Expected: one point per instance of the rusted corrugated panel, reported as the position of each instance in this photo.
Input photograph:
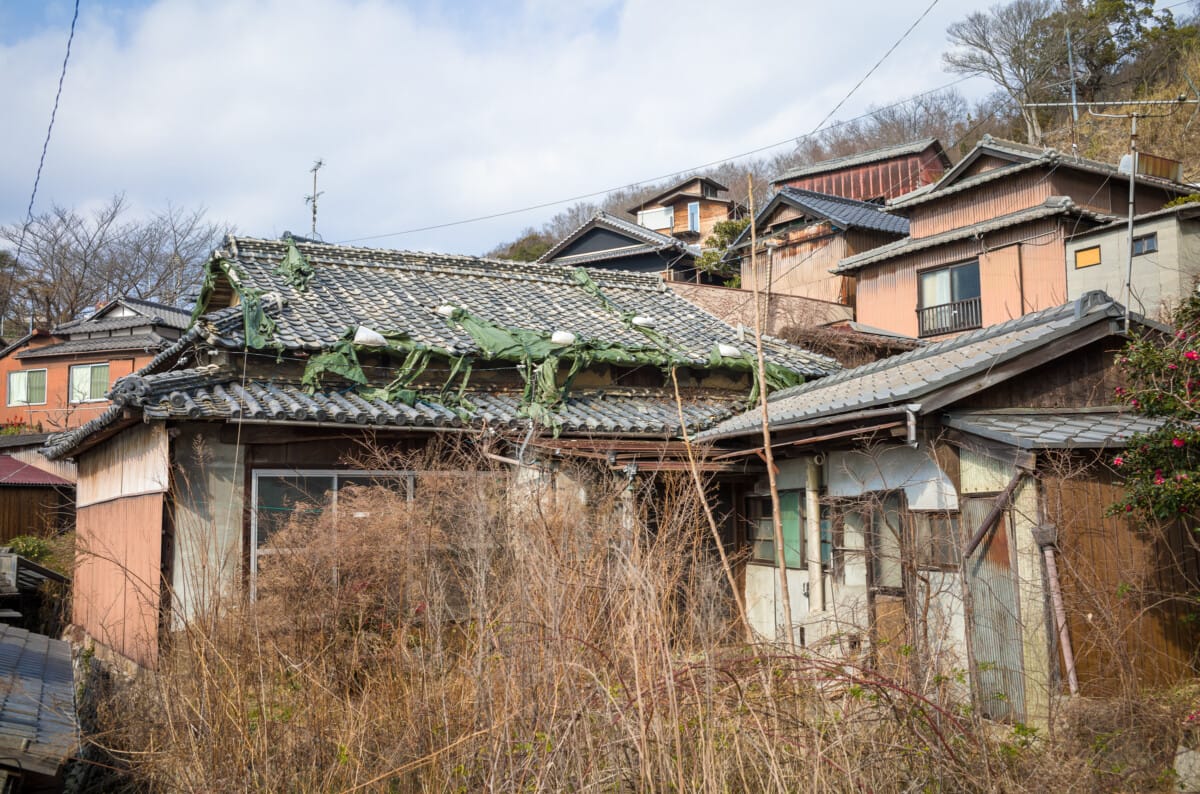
(1043, 262)
(116, 589)
(992, 200)
(886, 178)
(995, 620)
(886, 296)
(134, 462)
(1125, 588)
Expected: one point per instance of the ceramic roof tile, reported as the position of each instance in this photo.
(905, 378)
(37, 700)
(1049, 429)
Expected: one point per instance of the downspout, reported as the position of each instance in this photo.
(910, 414)
(812, 525)
(1046, 536)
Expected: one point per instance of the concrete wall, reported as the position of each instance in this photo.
(736, 307)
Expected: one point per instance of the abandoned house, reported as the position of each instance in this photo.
(987, 241)
(302, 349)
(946, 508)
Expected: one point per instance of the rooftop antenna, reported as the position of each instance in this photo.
(1143, 110)
(312, 199)
(1074, 98)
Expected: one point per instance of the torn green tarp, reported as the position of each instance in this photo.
(340, 359)
(294, 267)
(259, 327)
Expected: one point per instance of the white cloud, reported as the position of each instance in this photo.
(427, 116)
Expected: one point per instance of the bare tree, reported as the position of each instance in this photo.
(1010, 45)
(70, 261)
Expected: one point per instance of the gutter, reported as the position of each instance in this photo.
(909, 411)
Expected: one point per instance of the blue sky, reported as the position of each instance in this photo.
(425, 112)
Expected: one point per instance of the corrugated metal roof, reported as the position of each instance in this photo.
(861, 158)
(16, 472)
(1055, 205)
(37, 701)
(906, 378)
(1039, 429)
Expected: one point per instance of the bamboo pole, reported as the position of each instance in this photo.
(768, 453)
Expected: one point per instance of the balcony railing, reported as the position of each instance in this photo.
(949, 317)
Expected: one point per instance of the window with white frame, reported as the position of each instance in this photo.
(693, 216)
(27, 387)
(89, 382)
(657, 218)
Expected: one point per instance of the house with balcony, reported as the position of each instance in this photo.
(987, 241)
(876, 175)
(1165, 255)
(687, 211)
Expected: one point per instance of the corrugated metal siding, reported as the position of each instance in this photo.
(116, 589)
(34, 511)
(134, 462)
(1002, 197)
(886, 178)
(803, 269)
(1043, 261)
(995, 618)
(886, 296)
(1122, 584)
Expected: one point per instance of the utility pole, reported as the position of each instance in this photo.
(312, 199)
(1133, 117)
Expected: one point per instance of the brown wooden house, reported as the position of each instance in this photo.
(939, 505)
(987, 241)
(877, 175)
(304, 350)
(688, 210)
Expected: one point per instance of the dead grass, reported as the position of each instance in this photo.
(495, 633)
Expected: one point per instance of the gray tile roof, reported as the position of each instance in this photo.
(861, 158)
(37, 701)
(1027, 157)
(399, 291)
(1039, 429)
(210, 393)
(147, 311)
(845, 212)
(650, 240)
(102, 344)
(908, 377)
(1055, 205)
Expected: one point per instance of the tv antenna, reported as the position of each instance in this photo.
(312, 199)
(1142, 109)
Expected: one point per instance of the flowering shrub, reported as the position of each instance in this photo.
(1162, 469)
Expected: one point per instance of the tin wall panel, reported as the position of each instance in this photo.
(134, 462)
(1002, 197)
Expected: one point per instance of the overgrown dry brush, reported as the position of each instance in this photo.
(497, 634)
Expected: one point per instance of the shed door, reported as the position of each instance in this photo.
(996, 621)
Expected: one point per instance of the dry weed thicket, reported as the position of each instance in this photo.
(497, 633)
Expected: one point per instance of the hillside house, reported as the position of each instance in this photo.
(877, 175)
(987, 241)
(612, 243)
(1166, 258)
(57, 380)
(302, 351)
(939, 506)
(688, 210)
(802, 235)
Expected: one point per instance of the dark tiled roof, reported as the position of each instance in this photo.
(210, 393)
(102, 344)
(1055, 205)
(147, 311)
(861, 158)
(651, 241)
(844, 213)
(23, 440)
(37, 701)
(9, 348)
(16, 472)
(1034, 429)
(400, 292)
(906, 378)
(1025, 158)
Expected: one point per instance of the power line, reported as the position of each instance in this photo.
(710, 164)
(42, 160)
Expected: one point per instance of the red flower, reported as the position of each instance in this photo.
(1177, 441)
(1158, 477)
(1118, 461)
(1172, 366)
(1191, 355)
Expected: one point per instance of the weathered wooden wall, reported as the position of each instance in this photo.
(119, 526)
(1127, 588)
(29, 510)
